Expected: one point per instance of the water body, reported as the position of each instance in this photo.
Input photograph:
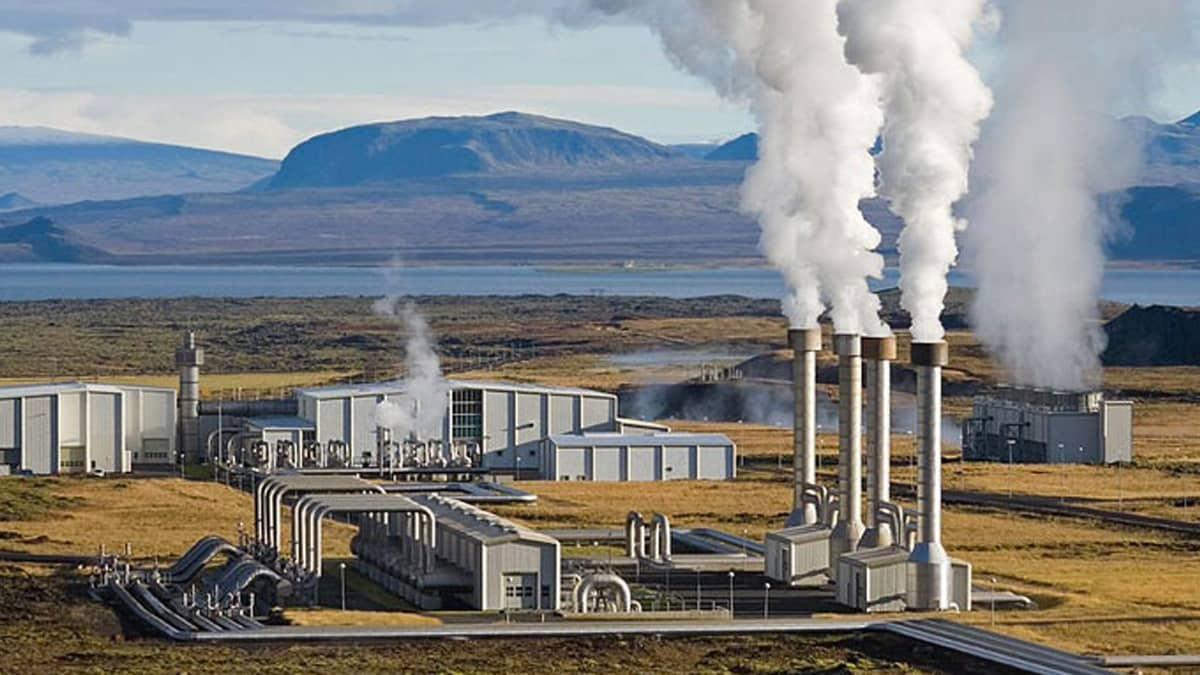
(65, 281)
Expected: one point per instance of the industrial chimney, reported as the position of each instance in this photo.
(805, 344)
(929, 566)
(878, 353)
(189, 358)
(849, 529)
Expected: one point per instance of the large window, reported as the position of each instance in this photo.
(466, 415)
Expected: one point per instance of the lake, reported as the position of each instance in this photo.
(47, 281)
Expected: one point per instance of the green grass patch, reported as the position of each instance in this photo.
(29, 499)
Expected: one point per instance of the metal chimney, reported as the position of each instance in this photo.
(929, 566)
(849, 528)
(878, 353)
(805, 344)
(189, 358)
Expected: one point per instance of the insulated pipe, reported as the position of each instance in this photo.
(635, 536)
(891, 516)
(878, 353)
(189, 358)
(661, 534)
(805, 344)
(849, 529)
(929, 566)
(593, 581)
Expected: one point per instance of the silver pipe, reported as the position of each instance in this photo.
(878, 353)
(805, 344)
(189, 358)
(929, 566)
(849, 529)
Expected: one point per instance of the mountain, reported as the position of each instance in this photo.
(1164, 223)
(1172, 151)
(14, 201)
(42, 240)
(51, 166)
(695, 150)
(744, 148)
(446, 146)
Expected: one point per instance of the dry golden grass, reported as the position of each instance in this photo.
(214, 384)
(333, 617)
(158, 517)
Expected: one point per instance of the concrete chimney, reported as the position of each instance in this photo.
(929, 566)
(849, 528)
(878, 354)
(805, 344)
(189, 358)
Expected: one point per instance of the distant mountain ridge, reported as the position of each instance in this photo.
(443, 146)
(51, 166)
(14, 201)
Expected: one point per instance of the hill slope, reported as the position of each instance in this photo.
(1154, 336)
(50, 166)
(443, 146)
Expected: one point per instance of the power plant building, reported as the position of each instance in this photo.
(515, 425)
(1040, 426)
(77, 427)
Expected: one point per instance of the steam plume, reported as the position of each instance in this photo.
(934, 101)
(818, 117)
(1048, 152)
(421, 410)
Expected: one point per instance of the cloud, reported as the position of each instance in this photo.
(56, 26)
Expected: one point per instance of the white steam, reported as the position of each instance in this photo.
(420, 411)
(1050, 150)
(934, 101)
(818, 118)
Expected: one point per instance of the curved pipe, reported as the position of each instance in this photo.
(890, 515)
(660, 535)
(594, 582)
(208, 443)
(635, 536)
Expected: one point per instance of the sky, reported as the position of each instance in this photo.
(259, 76)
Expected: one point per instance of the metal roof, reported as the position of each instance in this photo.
(49, 388)
(281, 422)
(477, 524)
(398, 386)
(613, 439)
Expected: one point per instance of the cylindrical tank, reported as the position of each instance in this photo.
(849, 528)
(805, 344)
(929, 566)
(878, 353)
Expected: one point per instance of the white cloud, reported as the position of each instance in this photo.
(270, 125)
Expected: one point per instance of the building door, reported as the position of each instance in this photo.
(520, 591)
(785, 558)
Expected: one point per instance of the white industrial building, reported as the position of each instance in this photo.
(480, 561)
(1039, 426)
(74, 427)
(516, 426)
(638, 457)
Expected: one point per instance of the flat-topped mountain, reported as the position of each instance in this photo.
(444, 146)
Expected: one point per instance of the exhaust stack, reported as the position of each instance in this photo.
(878, 353)
(849, 529)
(929, 566)
(805, 344)
(189, 358)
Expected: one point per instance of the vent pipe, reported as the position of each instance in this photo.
(849, 528)
(929, 566)
(189, 358)
(805, 344)
(878, 354)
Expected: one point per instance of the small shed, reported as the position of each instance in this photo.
(638, 457)
(798, 556)
(874, 580)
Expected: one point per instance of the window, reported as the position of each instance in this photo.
(466, 415)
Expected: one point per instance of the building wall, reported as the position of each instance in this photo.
(1117, 427)
(598, 461)
(521, 557)
(39, 448)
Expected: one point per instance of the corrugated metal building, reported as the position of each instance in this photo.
(798, 556)
(512, 423)
(75, 427)
(1040, 426)
(638, 457)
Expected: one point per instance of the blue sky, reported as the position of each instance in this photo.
(257, 77)
(260, 87)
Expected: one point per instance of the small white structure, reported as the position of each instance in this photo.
(642, 457)
(1041, 426)
(74, 427)
(798, 556)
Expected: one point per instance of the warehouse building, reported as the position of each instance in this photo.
(638, 457)
(1039, 426)
(512, 424)
(76, 427)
